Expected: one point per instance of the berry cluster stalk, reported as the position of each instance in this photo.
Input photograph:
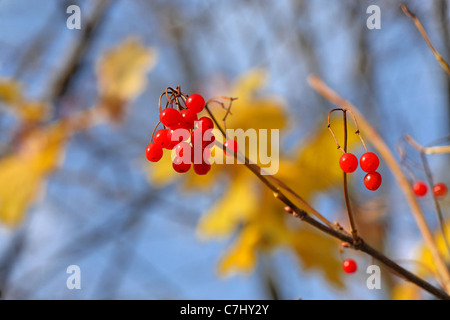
(338, 233)
(379, 144)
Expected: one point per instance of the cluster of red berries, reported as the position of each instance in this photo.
(179, 127)
(369, 163)
(420, 189)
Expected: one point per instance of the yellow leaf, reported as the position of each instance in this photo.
(242, 256)
(23, 173)
(33, 112)
(122, 74)
(235, 207)
(10, 91)
(317, 251)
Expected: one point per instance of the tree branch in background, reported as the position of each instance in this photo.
(422, 31)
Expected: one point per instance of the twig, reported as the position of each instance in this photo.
(430, 181)
(361, 245)
(379, 144)
(422, 31)
(351, 219)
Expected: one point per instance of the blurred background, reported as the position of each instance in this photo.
(78, 106)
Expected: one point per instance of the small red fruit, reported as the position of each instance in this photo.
(202, 168)
(372, 181)
(440, 189)
(369, 162)
(177, 136)
(154, 152)
(170, 117)
(420, 188)
(232, 145)
(180, 166)
(205, 123)
(195, 102)
(348, 162)
(349, 266)
(181, 147)
(162, 138)
(188, 118)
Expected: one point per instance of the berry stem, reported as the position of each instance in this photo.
(336, 232)
(351, 219)
(380, 145)
(430, 181)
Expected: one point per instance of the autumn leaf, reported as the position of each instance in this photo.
(425, 268)
(122, 75)
(10, 91)
(23, 173)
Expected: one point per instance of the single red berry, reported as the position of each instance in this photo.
(349, 266)
(202, 168)
(170, 117)
(348, 162)
(369, 162)
(195, 102)
(188, 118)
(232, 145)
(420, 188)
(162, 138)
(372, 181)
(180, 166)
(196, 136)
(154, 152)
(181, 147)
(205, 124)
(208, 141)
(440, 189)
(177, 136)
(206, 154)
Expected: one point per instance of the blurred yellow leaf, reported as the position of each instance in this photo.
(425, 269)
(23, 173)
(10, 91)
(122, 72)
(236, 205)
(122, 75)
(242, 255)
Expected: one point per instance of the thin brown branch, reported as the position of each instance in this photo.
(430, 181)
(394, 166)
(337, 233)
(444, 64)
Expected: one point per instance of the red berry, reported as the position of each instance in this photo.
(205, 124)
(372, 181)
(188, 118)
(195, 102)
(349, 266)
(177, 136)
(348, 162)
(369, 162)
(196, 136)
(162, 138)
(202, 168)
(208, 140)
(170, 117)
(154, 152)
(180, 166)
(232, 145)
(206, 154)
(180, 148)
(420, 188)
(440, 189)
